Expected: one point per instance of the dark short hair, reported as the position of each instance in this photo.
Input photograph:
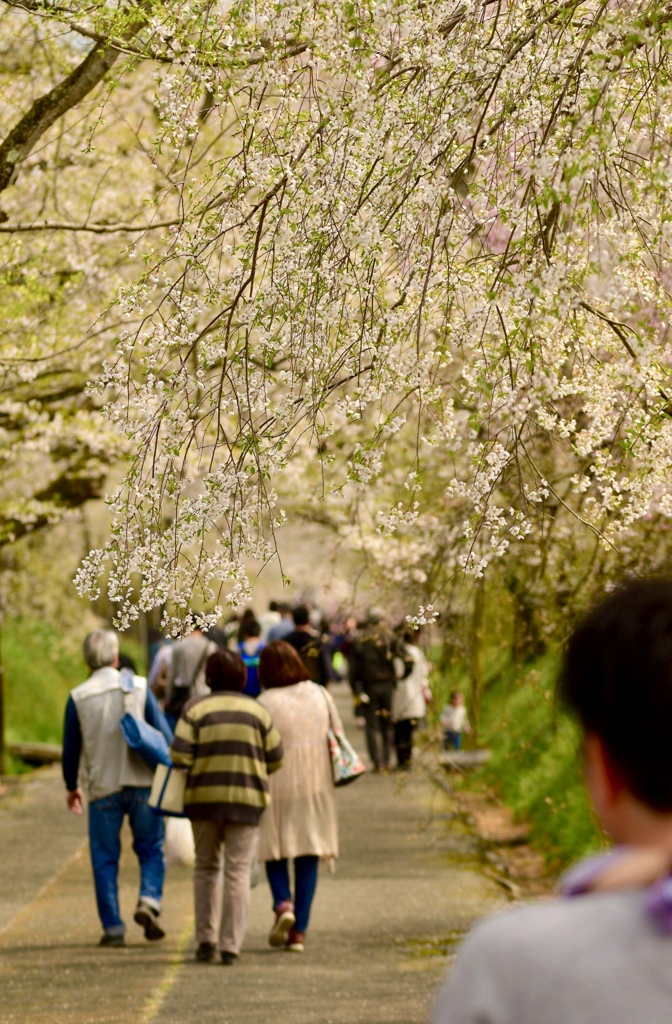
(126, 661)
(250, 628)
(617, 679)
(301, 615)
(225, 670)
(280, 665)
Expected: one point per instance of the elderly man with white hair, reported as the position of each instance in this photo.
(116, 781)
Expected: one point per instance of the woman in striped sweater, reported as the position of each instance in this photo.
(230, 746)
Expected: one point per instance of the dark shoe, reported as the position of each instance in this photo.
(146, 917)
(284, 920)
(296, 942)
(228, 958)
(206, 952)
(112, 941)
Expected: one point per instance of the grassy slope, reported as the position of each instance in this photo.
(536, 764)
(40, 670)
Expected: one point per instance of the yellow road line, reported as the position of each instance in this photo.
(155, 1001)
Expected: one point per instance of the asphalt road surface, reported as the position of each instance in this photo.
(383, 930)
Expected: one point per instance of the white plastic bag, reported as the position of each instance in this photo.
(179, 843)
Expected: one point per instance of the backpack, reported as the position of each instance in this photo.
(251, 662)
(310, 655)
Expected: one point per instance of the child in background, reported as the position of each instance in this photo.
(454, 721)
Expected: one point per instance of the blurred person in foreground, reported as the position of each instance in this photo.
(601, 953)
(301, 822)
(97, 760)
(230, 746)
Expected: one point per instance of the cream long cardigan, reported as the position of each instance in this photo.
(301, 819)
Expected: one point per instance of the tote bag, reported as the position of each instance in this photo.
(346, 764)
(168, 789)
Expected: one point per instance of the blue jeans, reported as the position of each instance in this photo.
(106, 817)
(305, 884)
(451, 740)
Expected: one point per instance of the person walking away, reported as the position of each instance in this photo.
(186, 675)
(286, 625)
(250, 647)
(247, 615)
(350, 633)
(270, 618)
(310, 646)
(410, 699)
(454, 721)
(117, 784)
(301, 823)
(230, 746)
(377, 660)
(601, 952)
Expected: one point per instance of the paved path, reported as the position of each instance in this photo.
(382, 930)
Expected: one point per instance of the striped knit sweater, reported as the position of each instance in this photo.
(230, 746)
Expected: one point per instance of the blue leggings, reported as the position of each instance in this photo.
(305, 883)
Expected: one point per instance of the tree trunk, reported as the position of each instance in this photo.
(528, 642)
(3, 759)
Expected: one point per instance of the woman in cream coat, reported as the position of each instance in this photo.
(300, 823)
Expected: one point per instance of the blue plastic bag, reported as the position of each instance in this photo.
(140, 736)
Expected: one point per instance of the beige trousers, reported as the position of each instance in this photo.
(240, 843)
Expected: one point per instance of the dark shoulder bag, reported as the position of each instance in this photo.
(180, 694)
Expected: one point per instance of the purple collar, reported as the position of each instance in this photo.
(658, 897)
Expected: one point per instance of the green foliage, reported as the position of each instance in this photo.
(41, 668)
(536, 762)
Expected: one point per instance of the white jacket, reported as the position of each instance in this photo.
(409, 695)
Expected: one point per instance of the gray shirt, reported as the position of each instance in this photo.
(595, 959)
(187, 667)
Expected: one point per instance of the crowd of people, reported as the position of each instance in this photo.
(246, 709)
(252, 714)
(387, 669)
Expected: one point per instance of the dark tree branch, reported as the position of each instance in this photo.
(97, 229)
(46, 110)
